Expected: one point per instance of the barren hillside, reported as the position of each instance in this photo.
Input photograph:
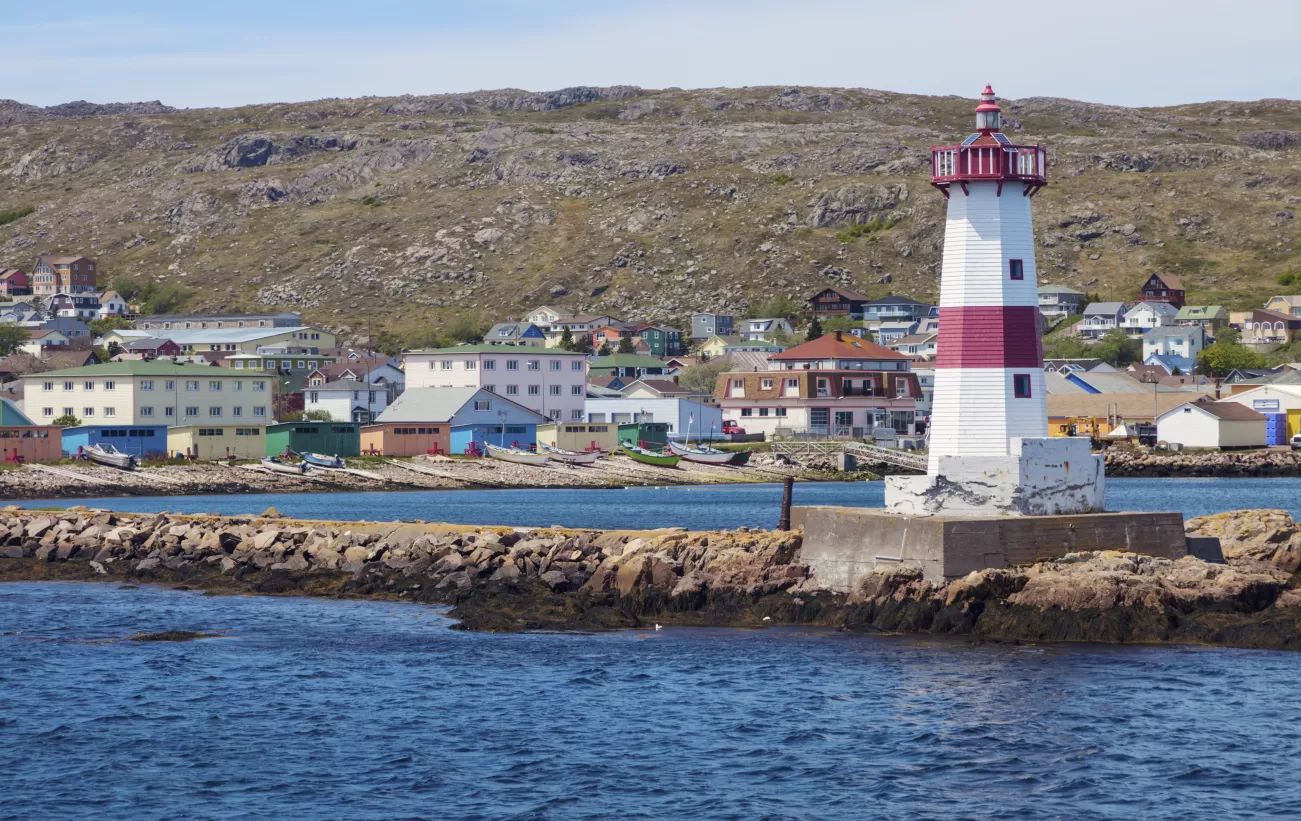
(410, 210)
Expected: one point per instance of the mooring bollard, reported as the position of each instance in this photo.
(788, 485)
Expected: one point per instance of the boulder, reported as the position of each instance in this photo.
(556, 580)
(1249, 537)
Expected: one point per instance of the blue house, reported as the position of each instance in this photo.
(473, 415)
(515, 333)
(894, 309)
(138, 440)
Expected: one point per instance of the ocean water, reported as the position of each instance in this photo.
(307, 709)
(696, 508)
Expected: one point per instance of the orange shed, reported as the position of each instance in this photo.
(405, 439)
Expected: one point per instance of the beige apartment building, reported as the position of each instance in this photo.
(153, 392)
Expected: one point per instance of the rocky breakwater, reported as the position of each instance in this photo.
(505, 579)
(1145, 462)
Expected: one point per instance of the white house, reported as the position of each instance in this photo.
(1145, 316)
(684, 417)
(1178, 343)
(755, 329)
(43, 338)
(347, 400)
(1221, 425)
(550, 381)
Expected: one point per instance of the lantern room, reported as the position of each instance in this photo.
(989, 156)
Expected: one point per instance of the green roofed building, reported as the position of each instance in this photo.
(627, 364)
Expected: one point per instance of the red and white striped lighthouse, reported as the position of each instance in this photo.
(989, 385)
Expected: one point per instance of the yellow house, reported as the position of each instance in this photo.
(221, 442)
(579, 435)
(1290, 305)
(232, 340)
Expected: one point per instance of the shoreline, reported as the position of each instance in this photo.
(504, 579)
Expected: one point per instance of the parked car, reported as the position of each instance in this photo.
(1295, 441)
(730, 427)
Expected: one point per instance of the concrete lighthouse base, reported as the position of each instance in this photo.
(1040, 477)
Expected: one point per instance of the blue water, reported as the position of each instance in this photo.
(697, 508)
(310, 709)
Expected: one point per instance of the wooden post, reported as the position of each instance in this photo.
(788, 485)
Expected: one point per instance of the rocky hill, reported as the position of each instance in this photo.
(408, 211)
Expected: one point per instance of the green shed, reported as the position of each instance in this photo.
(650, 435)
(328, 438)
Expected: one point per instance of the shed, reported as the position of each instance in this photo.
(329, 438)
(650, 435)
(1222, 425)
(405, 438)
(462, 415)
(23, 441)
(1273, 398)
(145, 441)
(226, 442)
(579, 436)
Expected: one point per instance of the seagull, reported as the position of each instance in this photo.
(659, 627)
(767, 618)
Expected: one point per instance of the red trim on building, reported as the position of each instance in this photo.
(990, 337)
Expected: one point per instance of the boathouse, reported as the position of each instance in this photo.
(649, 435)
(580, 436)
(24, 441)
(450, 419)
(212, 443)
(144, 441)
(328, 438)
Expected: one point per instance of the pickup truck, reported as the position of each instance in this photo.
(730, 427)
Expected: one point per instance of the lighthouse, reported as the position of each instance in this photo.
(989, 448)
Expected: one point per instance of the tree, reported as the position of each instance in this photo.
(583, 344)
(128, 287)
(113, 349)
(1069, 347)
(567, 340)
(318, 416)
(775, 308)
(841, 323)
(702, 376)
(815, 330)
(12, 337)
(1290, 279)
(625, 344)
(99, 327)
(1221, 358)
(466, 329)
(1229, 335)
(1117, 349)
(604, 350)
(67, 420)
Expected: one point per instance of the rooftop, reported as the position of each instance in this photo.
(441, 404)
(627, 360)
(1104, 308)
(837, 346)
(141, 367)
(1058, 289)
(484, 347)
(233, 336)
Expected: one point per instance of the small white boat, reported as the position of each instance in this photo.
(274, 463)
(518, 456)
(702, 454)
(108, 455)
(320, 460)
(570, 457)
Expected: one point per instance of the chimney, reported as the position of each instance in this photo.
(838, 339)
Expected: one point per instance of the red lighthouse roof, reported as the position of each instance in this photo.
(988, 155)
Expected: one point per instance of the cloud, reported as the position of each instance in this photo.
(1128, 53)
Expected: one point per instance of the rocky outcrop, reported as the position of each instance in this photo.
(515, 578)
(1211, 463)
(1253, 537)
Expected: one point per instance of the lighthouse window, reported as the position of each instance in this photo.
(1015, 269)
(1021, 385)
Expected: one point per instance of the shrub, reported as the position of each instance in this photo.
(782, 179)
(7, 217)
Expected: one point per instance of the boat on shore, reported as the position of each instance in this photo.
(517, 455)
(703, 454)
(320, 460)
(276, 464)
(570, 457)
(108, 455)
(648, 457)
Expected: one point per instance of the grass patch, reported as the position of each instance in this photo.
(782, 179)
(540, 130)
(16, 214)
(865, 229)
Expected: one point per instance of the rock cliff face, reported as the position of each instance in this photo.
(507, 579)
(1252, 538)
(410, 210)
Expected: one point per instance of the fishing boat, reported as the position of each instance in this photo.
(517, 455)
(703, 454)
(320, 460)
(648, 457)
(275, 463)
(570, 457)
(106, 454)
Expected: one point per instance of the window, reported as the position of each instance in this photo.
(490, 364)
(214, 411)
(555, 414)
(67, 386)
(90, 386)
(512, 390)
(576, 415)
(169, 385)
(237, 385)
(260, 411)
(313, 397)
(512, 364)
(780, 411)
(110, 385)
(47, 411)
(534, 390)
(301, 364)
(576, 365)
(576, 390)
(49, 386)
(482, 404)
(765, 384)
(87, 411)
(191, 384)
(738, 384)
(490, 388)
(445, 364)
(901, 387)
(555, 390)
(146, 411)
(67, 411)
(1021, 385)
(555, 364)
(259, 385)
(239, 365)
(763, 411)
(246, 431)
(471, 365)
(214, 385)
(1015, 269)
(236, 411)
(146, 384)
(747, 412)
(169, 412)
(191, 411)
(210, 431)
(535, 364)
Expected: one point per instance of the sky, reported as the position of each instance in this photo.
(198, 54)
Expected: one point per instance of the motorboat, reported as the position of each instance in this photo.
(320, 460)
(570, 457)
(517, 455)
(703, 454)
(648, 457)
(279, 466)
(106, 454)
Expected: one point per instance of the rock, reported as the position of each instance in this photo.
(556, 580)
(1249, 537)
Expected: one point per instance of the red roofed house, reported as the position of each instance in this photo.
(14, 282)
(1163, 288)
(836, 385)
(55, 274)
